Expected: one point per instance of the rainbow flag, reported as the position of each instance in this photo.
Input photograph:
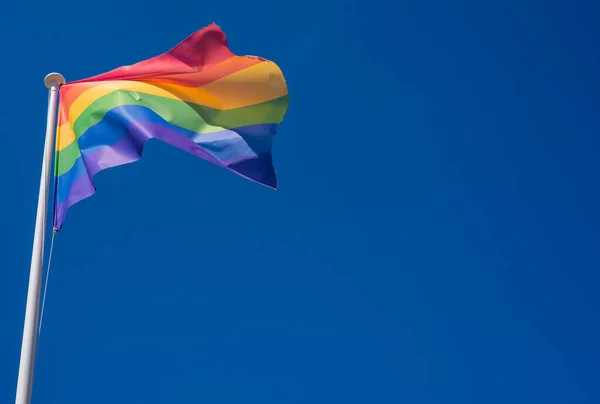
(198, 97)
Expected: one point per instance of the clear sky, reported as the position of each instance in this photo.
(435, 238)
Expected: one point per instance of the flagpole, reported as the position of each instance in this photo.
(28, 348)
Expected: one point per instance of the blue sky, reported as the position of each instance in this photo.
(434, 239)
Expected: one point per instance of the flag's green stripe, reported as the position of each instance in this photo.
(197, 118)
(190, 116)
(66, 157)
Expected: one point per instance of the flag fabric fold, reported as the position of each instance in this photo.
(198, 97)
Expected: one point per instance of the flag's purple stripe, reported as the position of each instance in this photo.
(76, 184)
(81, 189)
(222, 152)
(127, 127)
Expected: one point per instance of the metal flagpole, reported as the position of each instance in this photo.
(28, 348)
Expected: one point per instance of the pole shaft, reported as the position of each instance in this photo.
(28, 347)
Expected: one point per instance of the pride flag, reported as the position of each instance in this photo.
(198, 97)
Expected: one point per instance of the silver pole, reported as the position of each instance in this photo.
(28, 348)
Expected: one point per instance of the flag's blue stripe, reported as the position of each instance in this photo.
(127, 127)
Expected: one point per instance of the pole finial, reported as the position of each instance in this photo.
(54, 78)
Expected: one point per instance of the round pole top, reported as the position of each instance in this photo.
(54, 78)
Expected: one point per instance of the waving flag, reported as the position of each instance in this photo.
(198, 97)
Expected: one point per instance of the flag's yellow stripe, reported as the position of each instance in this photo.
(65, 136)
